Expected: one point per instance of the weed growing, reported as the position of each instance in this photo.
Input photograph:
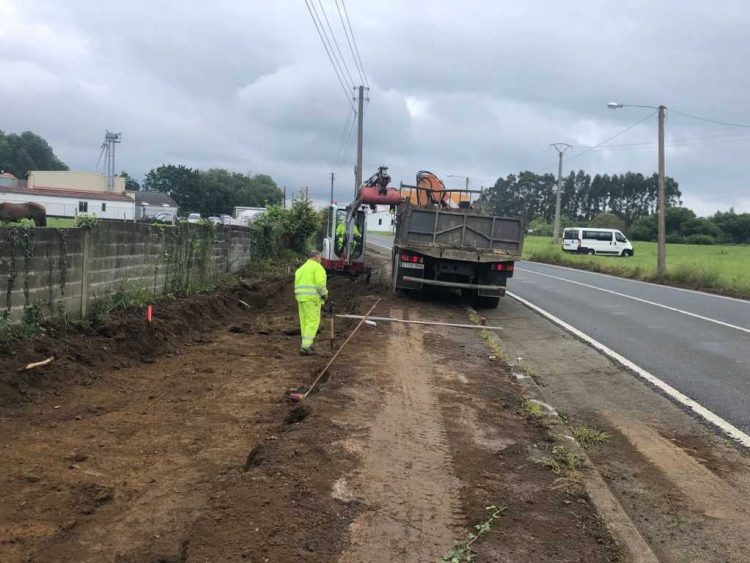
(532, 409)
(589, 437)
(562, 462)
(462, 552)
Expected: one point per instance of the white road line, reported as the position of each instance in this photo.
(660, 285)
(688, 313)
(380, 245)
(726, 427)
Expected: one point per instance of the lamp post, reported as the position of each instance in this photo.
(461, 198)
(661, 256)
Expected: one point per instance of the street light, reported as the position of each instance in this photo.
(461, 197)
(661, 257)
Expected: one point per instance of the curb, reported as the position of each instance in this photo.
(618, 522)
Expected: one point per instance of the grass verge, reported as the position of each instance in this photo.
(721, 269)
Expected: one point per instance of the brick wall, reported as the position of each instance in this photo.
(67, 270)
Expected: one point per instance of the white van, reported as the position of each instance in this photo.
(592, 240)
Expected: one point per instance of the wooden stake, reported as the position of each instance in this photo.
(429, 323)
(336, 355)
(38, 364)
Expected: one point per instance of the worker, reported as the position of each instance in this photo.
(341, 236)
(310, 292)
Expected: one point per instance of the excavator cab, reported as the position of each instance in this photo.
(338, 235)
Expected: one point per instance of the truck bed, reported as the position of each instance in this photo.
(458, 234)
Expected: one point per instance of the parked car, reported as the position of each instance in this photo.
(215, 220)
(592, 240)
(193, 217)
(161, 217)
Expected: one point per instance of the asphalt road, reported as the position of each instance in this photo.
(696, 342)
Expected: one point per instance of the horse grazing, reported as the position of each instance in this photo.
(18, 211)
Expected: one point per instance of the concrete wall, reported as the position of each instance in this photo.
(65, 179)
(68, 270)
(69, 206)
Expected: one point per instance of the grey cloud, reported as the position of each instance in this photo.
(477, 88)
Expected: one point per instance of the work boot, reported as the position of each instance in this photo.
(307, 352)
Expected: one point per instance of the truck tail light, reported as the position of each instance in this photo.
(413, 258)
(503, 266)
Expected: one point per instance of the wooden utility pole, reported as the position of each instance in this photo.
(661, 260)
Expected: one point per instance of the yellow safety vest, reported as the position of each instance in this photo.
(310, 282)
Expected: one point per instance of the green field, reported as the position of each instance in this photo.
(717, 268)
(56, 222)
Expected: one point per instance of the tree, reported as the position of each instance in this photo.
(130, 183)
(607, 221)
(180, 182)
(22, 153)
(212, 192)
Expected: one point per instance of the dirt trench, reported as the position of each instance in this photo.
(197, 455)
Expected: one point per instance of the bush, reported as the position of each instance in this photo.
(700, 239)
(279, 228)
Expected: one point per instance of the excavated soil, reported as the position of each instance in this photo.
(177, 441)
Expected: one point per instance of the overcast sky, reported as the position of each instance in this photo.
(472, 88)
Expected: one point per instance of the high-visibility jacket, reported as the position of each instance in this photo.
(310, 282)
(341, 233)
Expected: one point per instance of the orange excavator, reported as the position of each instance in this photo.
(344, 244)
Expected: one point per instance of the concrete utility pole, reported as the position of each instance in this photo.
(333, 175)
(661, 237)
(360, 134)
(661, 259)
(284, 197)
(561, 149)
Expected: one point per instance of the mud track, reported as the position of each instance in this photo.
(197, 456)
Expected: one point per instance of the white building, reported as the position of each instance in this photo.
(68, 194)
(148, 204)
(379, 221)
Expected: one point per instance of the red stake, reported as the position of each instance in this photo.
(149, 313)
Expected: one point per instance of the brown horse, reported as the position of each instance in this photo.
(18, 211)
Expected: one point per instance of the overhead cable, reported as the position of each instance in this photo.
(336, 43)
(330, 58)
(351, 49)
(356, 48)
(707, 120)
(580, 154)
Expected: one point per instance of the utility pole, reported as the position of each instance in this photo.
(360, 133)
(661, 244)
(307, 190)
(284, 197)
(333, 175)
(661, 259)
(561, 149)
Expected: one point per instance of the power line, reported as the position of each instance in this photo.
(351, 49)
(675, 143)
(330, 58)
(328, 43)
(354, 40)
(614, 136)
(707, 120)
(336, 43)
(341, 153)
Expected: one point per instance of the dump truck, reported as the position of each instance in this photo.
(442, 241)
